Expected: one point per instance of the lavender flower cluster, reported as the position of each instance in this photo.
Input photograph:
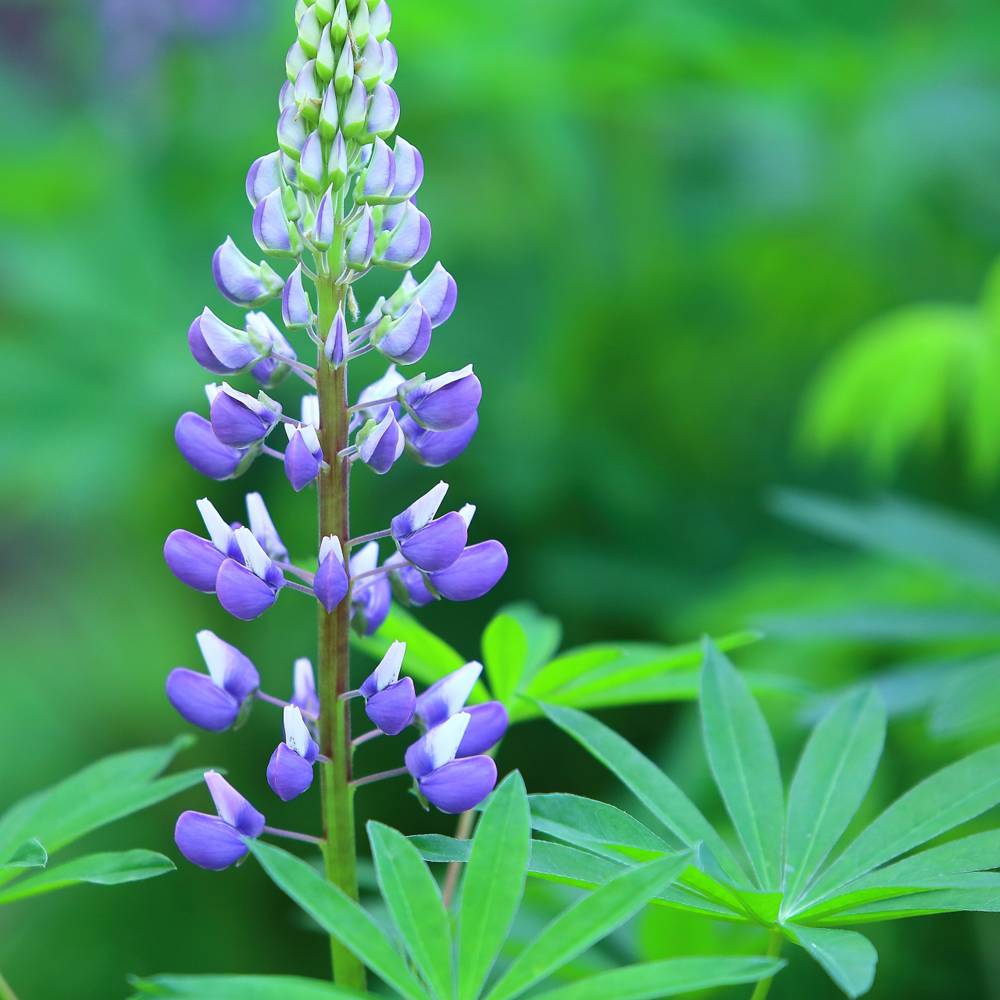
(334, 200)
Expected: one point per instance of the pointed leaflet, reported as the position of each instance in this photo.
(241, 988)
(831, 780)
(956, 793)
(572, 866)
(505, 654)
(647, 782)
(414, 901)
(339, 916)
(30, 854)
(113, 868)
(101, 793)
(744, 763)
(544, 634)
(848, 958)
(668, 978)
(922, 904)
(585, 923)
(579, 820)
(493, 883)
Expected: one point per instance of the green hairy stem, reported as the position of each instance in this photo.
(339, 849)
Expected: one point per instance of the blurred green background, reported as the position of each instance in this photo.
(665, 218)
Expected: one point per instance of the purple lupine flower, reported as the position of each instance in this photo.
(271, 228)
(216, 842)
(329, 115)
(385, 387)
(323, 230)
(215, 700)
(242, 281)
(438, 294)
(337, 343)
(312, 164)
(383, 111)
(406, 340)
(247, 588)
(336, 165)
(291, 132)
(446, 402)
(361, 241)
(304, 688)
(370, 597)
(205, 452)
(352, 121)
(195, 560)
(220, 348)
(303, 456)
(370, 70)
(380, 20)
(390, 62)
(409, 237)
(409, 168)
(240, 420)
(270, 371)
(330, 583)
(290, 769)
(296, 309)
(453, 786)
(475, 573)
(427, 542)
(380, 444)
(389, 701)
(263, 177)
(488, 723)
(379, 176)
(448, 696)
(437, 448)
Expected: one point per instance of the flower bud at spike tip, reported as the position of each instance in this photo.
(338, 26)
(336, 346)
(329, 115)
(355, 110)
(296, 309)
(325, 58)
(242, 281)
(263, 177)
(331, 583)
(344, 74)
(336, 167)
(204, 451)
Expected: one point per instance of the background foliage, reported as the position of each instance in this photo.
(663, 223)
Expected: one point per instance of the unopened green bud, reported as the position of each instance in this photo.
(352, 122)
(294, 61)
(336, 168)
(338, 26)
(307, 93)
(290, 204)
(344, 75)
(326, 60)
(309, 33)
(300, 11)
(361, 26)
(352, 5)
(324, 10)
(329, 115)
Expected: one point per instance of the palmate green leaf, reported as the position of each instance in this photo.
(586, 922)
(969, 702)
(113, 868)
(339, 916)
(831, 780)
(241, 988)
(30, 854)
(915, 533)
(745, 764)
(668, 978)
(648, 783)
(99, 794)
(505, 655)
(414, 901)
(572, 866)
(493, 883)
(956, 793)
(848, 957)
(428, 658)
(923, 904)
(576, 819)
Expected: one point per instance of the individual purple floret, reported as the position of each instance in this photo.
(449, 784)
(247, 588)
(385, 388)
(446, 402)
(330, 583)
(437, 448)
(214, 701)
(216, 842)
(303, 455)
(389, 701)
(381, 444)
(273, 369)
(474, 573)
(430, 543)
(263, 529)
(240, 420)
(195, 560)
(447, 696)
(206, 454)
(290, 769)
(242, 281)
(304, 688)
(488, 724)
